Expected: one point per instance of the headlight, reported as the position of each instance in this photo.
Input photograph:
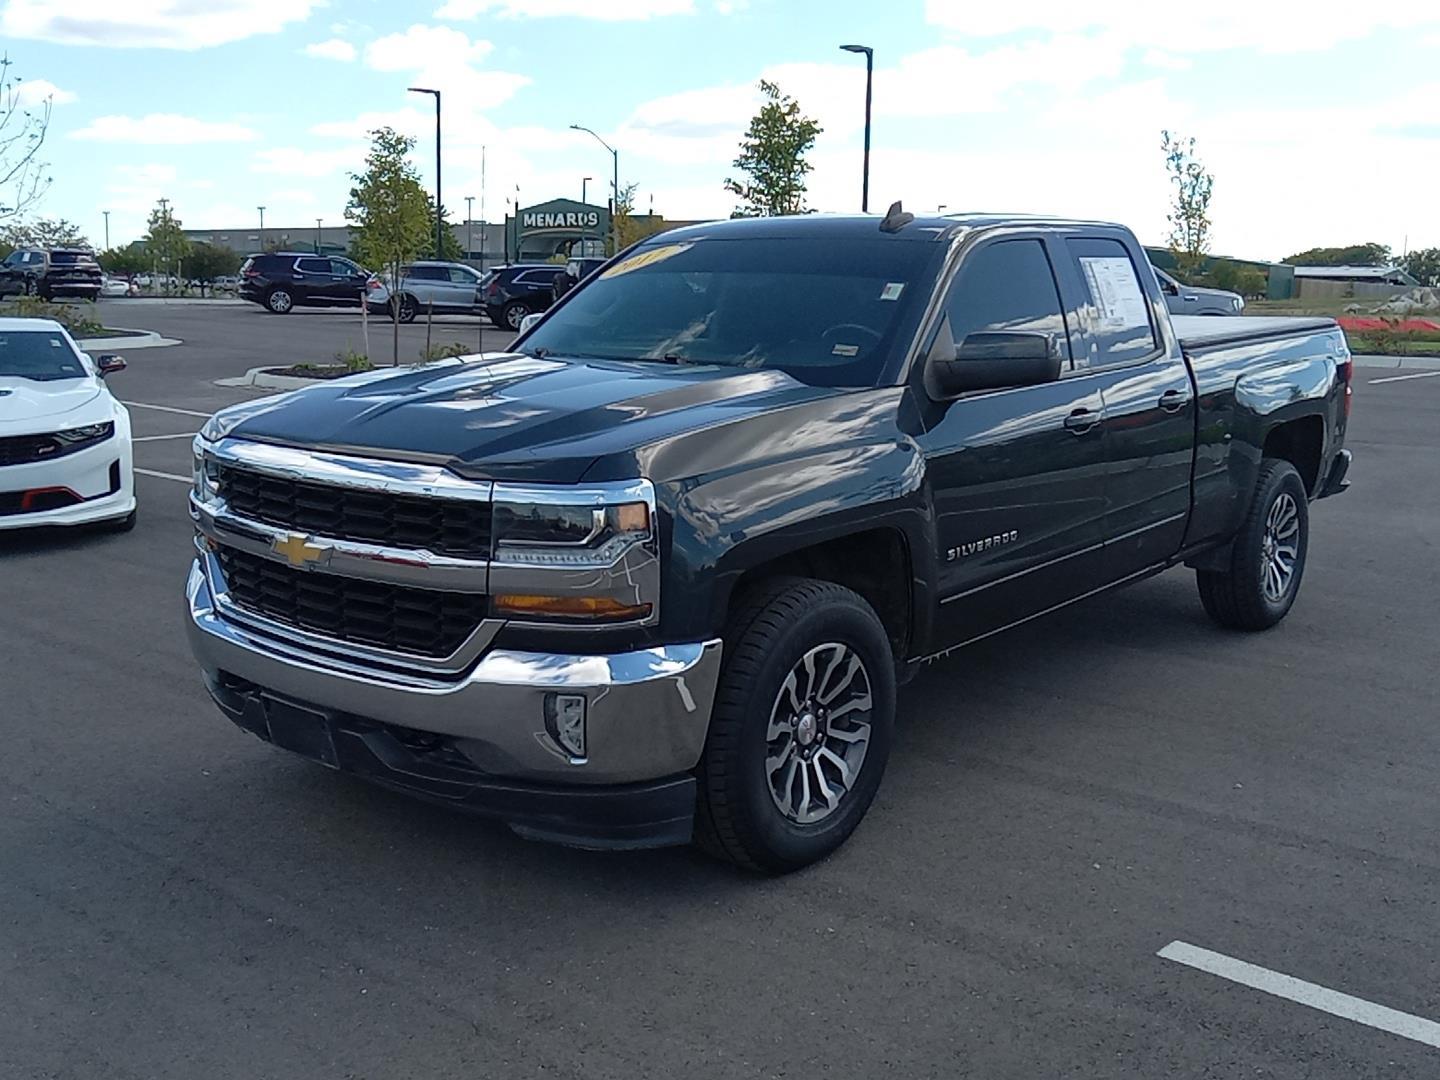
(205, 476)
(579, 554)
(74, 437)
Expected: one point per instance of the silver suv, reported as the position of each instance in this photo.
(447, 288)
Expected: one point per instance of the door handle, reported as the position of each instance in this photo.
(1173, 401)
(1081, 420)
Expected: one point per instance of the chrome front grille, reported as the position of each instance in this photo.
(420, 622)
(444, 526)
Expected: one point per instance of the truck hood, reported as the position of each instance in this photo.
(23, 400)
(515, 417)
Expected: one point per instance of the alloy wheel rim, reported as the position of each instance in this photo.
(513, 318)
(818, 733)
(1280, 547)
(280, 301)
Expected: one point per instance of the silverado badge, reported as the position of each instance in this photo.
(985, 544)
(297, 550)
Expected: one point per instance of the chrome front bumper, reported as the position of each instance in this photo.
(647, 711)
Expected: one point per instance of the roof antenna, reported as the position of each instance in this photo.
(895, 218)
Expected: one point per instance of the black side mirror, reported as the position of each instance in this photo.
(996, 360)
(109, 363)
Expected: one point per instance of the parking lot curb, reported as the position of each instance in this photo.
(1405, 363)
(138, 339)
(260, 377)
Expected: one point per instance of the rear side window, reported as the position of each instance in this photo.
(461, 276)
(1007, 287)
(343, 268)
(1117, 312)
(428, 273)
(537, 277)
(313, 266)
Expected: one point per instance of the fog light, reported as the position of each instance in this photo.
(565, 720)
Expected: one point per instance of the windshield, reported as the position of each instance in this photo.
(40, 355)
(826, 310)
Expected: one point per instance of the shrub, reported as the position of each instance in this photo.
(445, 352)
(354, 361)
(75, 318)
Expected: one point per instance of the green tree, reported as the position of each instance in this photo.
(390, 211)
(165, 241)
(24, 178)
(1423, 264)
(772, 158)
(451, 250)
(1189, 215)
(1236, 277)
(208, 262)
(1371, 254)
(128, 260)
(45, 233)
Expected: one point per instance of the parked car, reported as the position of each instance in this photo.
(283, 281)
(117, 286)
(658, 571)
(227, 283)
(65, 456)
(1193, 300)
(512, 292)
(447, 288)
(51, 273)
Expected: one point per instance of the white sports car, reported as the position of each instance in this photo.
(65, 455)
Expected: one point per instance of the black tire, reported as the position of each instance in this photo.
(279, 301)
(1240, 598)
(28, 289)
(512, 314)
(771, 630)
(406, 309)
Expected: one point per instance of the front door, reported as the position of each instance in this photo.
(347, 282)
(1017, 475)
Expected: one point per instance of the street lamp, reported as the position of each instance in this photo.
(262, 227)
(469, 199)
(317, 235)
(615, 182)
(584, 181)
(107, 228)
(439, 247)
(869, 81)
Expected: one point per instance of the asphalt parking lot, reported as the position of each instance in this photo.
(1066, 800)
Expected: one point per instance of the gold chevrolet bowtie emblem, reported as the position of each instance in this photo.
(298, 551)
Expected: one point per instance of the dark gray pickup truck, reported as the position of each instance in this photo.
(658, 571)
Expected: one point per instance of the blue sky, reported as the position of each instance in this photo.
(1321, 120)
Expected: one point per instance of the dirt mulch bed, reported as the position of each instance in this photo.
(313, 371)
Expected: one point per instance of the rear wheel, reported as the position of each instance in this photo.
(1267, 557)
(512, 314)
(279, 301)
(405, 308)
(801, 729)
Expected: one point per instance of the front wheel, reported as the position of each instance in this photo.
(404, 309)
(801, 729)
(1267, 557)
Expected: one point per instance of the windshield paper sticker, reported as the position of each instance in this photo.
(1116, 292)
(648, 257)
(892, 290)
(845, 350)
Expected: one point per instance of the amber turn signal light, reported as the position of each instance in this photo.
(570, 607)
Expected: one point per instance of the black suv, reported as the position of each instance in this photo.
(512, 292)
(51, 272)
(282, 280)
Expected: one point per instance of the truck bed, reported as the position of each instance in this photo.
(1201, 332)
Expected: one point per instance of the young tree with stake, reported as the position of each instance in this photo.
(772, 157)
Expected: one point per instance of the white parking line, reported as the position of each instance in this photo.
(166, 408)
(1402, 378)
(157, 438)
(165, 475)
(1305, 993)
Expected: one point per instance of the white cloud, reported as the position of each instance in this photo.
(1271, 27)
(162, 128)
(334, 49)
(149, 24)
(34, 91)
(1166, 61)
(603, 10)
(422, 47)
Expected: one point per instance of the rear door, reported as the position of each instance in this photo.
(1149, 401)
(463, 288)
(1017, 475)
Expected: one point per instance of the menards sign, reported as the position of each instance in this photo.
(569, 219)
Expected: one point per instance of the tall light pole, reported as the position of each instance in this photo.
(107, 228)
(317, 236)
(615, 185)
(439, 247)
(584, 181)
(469, 199)
(482, 208)
(262, 227)
(869, 82)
